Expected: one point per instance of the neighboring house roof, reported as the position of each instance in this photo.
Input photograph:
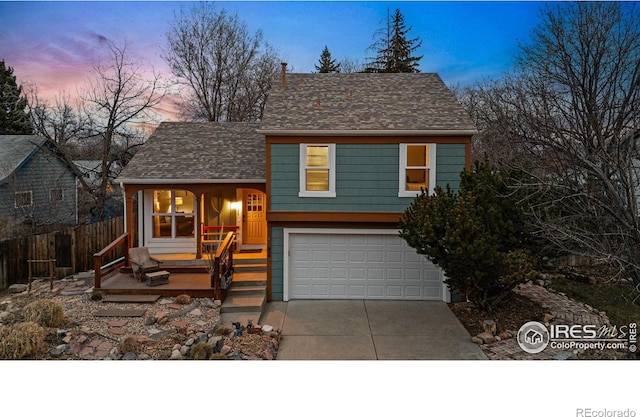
(206, 152)
(364, 104)
(16, 150)
(88, 165)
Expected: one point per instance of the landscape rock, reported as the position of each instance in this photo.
(17, 288)
(489, 326)
(487, 337)
(476, 339)
(176, 355)
(4, 316)
(57, 351)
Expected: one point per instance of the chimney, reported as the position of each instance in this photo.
(284, 75)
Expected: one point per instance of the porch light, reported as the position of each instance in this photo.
(236, 205)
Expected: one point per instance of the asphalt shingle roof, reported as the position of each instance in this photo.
(206, 152)
(14, 151)
(364, 102)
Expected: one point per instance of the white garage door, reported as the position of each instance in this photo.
(357, 266)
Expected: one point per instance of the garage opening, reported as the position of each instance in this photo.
(358, 264)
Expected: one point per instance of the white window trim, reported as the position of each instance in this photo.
(402, 192)
(303, 171)
(15, 201)
(173, 214)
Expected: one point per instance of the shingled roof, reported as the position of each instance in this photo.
(207, 152)
(16, 149)
(359, 104)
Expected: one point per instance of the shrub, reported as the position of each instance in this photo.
(478, 236)
(183, 299)
(47, 313)
(21, 340)
(223, 331)
(130, 344)
(201, 351)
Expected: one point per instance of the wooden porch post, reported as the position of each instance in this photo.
(198, 221)
(130, 226)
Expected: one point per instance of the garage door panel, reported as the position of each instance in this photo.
(356, 256)
(356, 266)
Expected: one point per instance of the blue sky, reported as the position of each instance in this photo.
(53, 44)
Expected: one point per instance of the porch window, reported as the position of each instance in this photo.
(317, 170)
(417, 169)
(173, 214)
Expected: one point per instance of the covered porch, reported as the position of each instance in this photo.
(192, 219)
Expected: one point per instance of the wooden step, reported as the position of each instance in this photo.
(249, 267)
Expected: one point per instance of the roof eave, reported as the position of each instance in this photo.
(160, 181)
(338, 132)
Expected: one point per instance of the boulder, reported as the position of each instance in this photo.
(16, 288)
(487, 337)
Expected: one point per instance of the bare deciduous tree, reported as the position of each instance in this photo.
(227, 71)
(567, 122)
(118, 105)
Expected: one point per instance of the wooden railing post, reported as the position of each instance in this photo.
(122, 241)
(97, 266)
(215, 278)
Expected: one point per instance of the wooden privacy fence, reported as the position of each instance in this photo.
(72, 248)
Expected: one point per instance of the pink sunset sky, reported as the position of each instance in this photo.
(53, 45)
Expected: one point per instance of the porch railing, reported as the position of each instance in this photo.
(212, 236)
(222, 267)
(101, 268)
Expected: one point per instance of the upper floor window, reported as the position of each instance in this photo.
(55, 195)
(417, 169)
(317, 170)
(24, 199)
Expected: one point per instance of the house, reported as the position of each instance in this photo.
(321, 182)
(195, 178)
(36, 187)
(91, 170)
(346, 154)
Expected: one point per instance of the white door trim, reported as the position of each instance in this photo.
(287, 232)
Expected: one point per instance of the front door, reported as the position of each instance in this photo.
(255, 218)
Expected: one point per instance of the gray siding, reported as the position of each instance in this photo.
(40, 174)
(366, 177)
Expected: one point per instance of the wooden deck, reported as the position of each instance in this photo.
(188, 276)
(196, 284)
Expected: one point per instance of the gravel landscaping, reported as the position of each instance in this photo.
(169, 328)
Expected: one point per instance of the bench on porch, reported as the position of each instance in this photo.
(213, 236)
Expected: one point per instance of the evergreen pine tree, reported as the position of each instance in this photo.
(479, 236)
(327, 65)
(14, 120)
(394, 51)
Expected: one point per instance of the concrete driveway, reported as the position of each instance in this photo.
(369, 330)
